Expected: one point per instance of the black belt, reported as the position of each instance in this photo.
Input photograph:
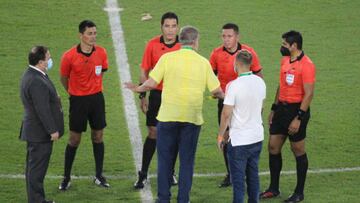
(288, 104)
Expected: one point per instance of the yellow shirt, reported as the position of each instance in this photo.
(185, 75)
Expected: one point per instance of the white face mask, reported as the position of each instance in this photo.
(49, 64)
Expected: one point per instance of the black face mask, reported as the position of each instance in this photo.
(284, 51)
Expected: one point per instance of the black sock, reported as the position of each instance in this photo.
(275, 165)
(98, 150)
(70, 153)
(301, 170)
(148, 152)
(226, 159)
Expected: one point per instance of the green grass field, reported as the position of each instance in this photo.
(330, 30)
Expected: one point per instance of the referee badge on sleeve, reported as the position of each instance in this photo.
(98, 70)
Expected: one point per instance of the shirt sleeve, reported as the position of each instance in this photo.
(229, 95)
(255, 66)
(212, 81)
(308, 73)
(213, 60)
(158, 72)
(146, 63)
(65, 66)
(105, 64)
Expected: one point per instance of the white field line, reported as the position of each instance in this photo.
(131, 112)
(197, 175)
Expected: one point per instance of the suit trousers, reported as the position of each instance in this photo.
(37, 162)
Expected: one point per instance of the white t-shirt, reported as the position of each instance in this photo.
(246, 94)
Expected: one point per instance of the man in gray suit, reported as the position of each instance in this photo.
(42, 123)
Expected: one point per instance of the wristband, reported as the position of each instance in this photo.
(142, 94)
(300, 114)
(274, 107)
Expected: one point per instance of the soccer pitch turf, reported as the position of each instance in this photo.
(330, 30)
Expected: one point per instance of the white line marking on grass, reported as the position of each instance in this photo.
(199, 175)
(131, 112)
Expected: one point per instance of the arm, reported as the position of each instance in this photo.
(144, 75)
(274, 106)
(64, 81)
(309, 93)
(218, 93)
(224, 123)
(149, 84)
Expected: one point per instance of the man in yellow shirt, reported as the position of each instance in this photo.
(185, 75)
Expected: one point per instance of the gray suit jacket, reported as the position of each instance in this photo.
(43, 113)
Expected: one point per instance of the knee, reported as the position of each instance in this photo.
(274, 149)
(152, 132)
(74, 140)
(297, 150)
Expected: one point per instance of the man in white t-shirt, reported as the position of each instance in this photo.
(243, 105)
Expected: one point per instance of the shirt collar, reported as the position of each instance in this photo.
(232, 53)
(78, 48)
(298, 58)
(33, 67)
(169, 45)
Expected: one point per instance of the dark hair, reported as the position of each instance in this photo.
(244, 57)
(36, 54)
(169, 15)
(232, 26)
(292, 37)
(84, 24)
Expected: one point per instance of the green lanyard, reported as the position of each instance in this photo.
(187, 47)
(245, 74)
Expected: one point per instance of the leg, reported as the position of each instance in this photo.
(167, 133)
(275, 160)
(98, 150)
(298, 149)
(37, 164)
(237, 160)
(252, 175)
(188, 139)
(70, 152)
(226, 182)
(149, 149)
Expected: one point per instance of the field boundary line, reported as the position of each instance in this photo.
(131, 112)
(198, 175)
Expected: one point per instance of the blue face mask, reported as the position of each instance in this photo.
(49, 64)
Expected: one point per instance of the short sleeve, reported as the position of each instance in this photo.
(255, 66)
(229, 95)
(158, 72)
(211, 79)
(213, 60)
(308, 73)
(65, 66)
(146, 63)
(105, 64)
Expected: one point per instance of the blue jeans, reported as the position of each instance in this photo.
(171, 136)
(243, 161)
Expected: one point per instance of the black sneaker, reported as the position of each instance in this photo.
(101, 181)
(269, 193)
(226, 182)
(65, 184)
(142, 177)
(174, 180)
(295, 198)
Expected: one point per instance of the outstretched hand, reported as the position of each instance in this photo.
(131, 86)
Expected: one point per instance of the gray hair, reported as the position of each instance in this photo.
(244, 57)
(188, 35)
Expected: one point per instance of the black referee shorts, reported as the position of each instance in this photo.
(87, 108)
(283, 115)
(153, 109)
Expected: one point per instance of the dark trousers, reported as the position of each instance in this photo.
(171, 136)
(244, 165)
(37, 162)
